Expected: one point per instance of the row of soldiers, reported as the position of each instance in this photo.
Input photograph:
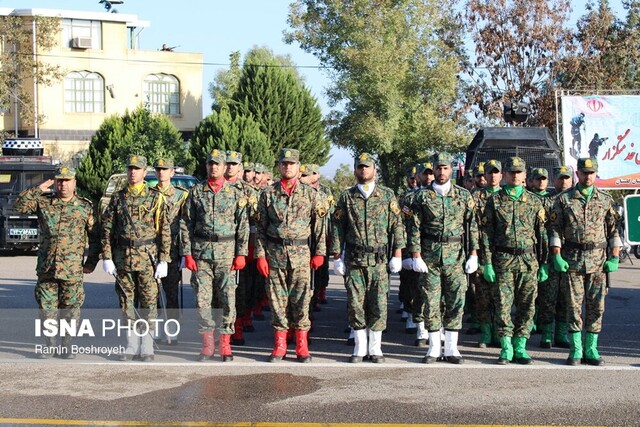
(147, 234)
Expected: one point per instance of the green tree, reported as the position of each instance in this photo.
(137, 132)
(342, 179)
(221, 130)
(394, 67)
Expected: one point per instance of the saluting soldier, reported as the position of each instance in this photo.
(443, 214)
(135, 236)
(368, 225)
(290, 214)
(172, 199)
(67, 224)
(514, 253)
(583, 222)
(215, 237)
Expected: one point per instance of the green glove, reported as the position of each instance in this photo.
(559, 264)
(611, 265)
(489, 273)
(543, 273)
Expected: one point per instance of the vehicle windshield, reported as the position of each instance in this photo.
(181, 181)
(13, 182)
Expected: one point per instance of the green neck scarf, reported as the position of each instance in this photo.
(514, 191)
(492, 190)
(587, 192)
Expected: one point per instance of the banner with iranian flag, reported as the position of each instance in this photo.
(606, 128)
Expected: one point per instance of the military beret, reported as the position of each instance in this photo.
(586, 164)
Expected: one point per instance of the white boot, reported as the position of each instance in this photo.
(133, 346)
(360, 349)
(410, 326)
(146, 347)
(421, 335)
(375, 344)
(435, 348)
(405, 315)
(451, 353)
(351, 339)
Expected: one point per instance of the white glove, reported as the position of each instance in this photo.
(407, 264)
(338, 267)
(395, 264)
(181, 263)
(472, 264)
(109, 267)
(419, 266)
(161, 270)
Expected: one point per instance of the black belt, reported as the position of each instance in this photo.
(584, 246)
(132, 243)
(514, 251)
(442, 239)
(214, 237)
(367, 249)
(287, 242)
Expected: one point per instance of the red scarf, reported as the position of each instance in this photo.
(288, 185)
(215, 184)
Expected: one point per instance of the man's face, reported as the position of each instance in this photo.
(442, 174)
(426, 177)
(215, 170)
(493, 178)
(539, 183)
(411, 182)
(165, 175)
(365, 174)
(586, 179)
(135, 175)
(480, 181)
(248, 176)
(232, 170)
(516, 178)
(562, 183)
(288, 170)
(65, 188)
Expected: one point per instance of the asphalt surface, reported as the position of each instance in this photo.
(328, 390)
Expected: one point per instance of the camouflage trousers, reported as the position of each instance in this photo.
(214, 286)
(519, 288)
(320, 278)
(446, 284)
(590, 289)
(171, 287)
(552, 298)
(56, 294)
(410, 295)
(484, 301)
(138, 288)
(289, 292)
(367, 292)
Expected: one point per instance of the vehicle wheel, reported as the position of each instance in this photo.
(636, 251)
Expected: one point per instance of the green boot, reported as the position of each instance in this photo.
(575, 355)
(519, 351)
(547, 335)
(485, 338)
(506, 355)
(562, 335)
(591, 350)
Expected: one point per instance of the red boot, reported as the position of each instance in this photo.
(208, 346)
(225, 348)
(247, 325)
(238, 336)
(302, 347)
(279, 346)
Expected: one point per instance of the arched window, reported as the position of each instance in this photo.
(162, 94)
(83, 92)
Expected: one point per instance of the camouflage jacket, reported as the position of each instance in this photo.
(292, 218)
(509, 226)
(65, 229)
(172, 199)
(215, 226)
(367, 229)
(330, 203)
(480, 198)
(130, 245)
(404, 201)
(435, 218)
(593, 223)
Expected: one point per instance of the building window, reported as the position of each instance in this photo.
(83, 92)
(79, 32)
(162, 94)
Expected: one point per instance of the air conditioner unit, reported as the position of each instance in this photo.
(81, 42)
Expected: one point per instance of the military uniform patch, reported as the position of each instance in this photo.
(542, 214)
(337, 214)
(242, 202)
(394, 207)
(553, 216)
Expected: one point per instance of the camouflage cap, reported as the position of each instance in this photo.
(164, 163)
(586, 164)
(248, 166)
(478, 170)
(304, 170)
(410, 171)
(563, 171)
(468, 174)
(259, 168)
(65, 172)
(515, 164)
(289, 155)
(310, 169)
(539, 173)
(217, 156)
(492, 164)
(442, 159)
(137, 161)
(426, 167)
(234, 157)
(365, 159)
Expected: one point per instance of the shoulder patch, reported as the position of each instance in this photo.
(542, 214)
(553, 216)
(394, 207)
(242, 202)
(337, 214)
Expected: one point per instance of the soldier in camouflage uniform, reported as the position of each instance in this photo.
(248, 172)
(443, 214)
(514, 253)
(483, 297)
(215, 237)
(259, 298)
(583, 222)
(368, 225)
(172, 199)
(135, 235)
(290, 214)
(67, 223)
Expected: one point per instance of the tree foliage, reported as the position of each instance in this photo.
(138, 132)
(393, 66)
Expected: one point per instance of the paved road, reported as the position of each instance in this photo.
(174, 388)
